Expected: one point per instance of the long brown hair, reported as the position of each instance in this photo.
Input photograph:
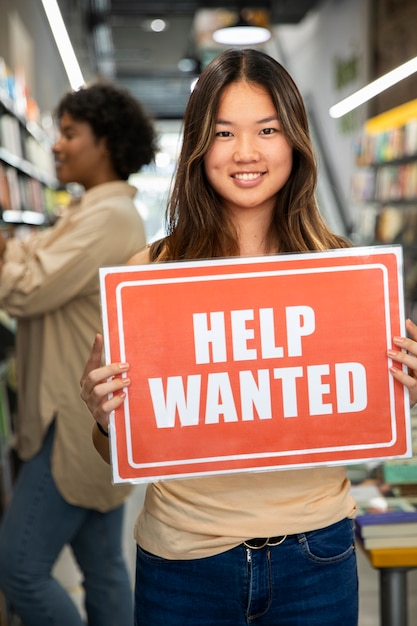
(197, 227)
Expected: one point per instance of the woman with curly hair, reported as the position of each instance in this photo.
(49, 283)
(262, 548)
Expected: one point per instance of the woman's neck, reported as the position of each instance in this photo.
(252, 231)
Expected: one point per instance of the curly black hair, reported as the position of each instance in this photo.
(113, 113)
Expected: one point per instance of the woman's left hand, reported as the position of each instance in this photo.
(406, 355)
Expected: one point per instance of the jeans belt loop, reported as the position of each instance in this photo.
(260, 542)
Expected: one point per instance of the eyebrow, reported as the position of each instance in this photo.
(265, 120)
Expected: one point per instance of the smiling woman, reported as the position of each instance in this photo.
(245, 184)
(80, 156)
(250, 158)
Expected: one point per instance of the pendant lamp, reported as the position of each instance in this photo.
(242, 33)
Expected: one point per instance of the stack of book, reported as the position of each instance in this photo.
(387, 522)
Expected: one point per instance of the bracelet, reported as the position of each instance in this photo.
(101, 429)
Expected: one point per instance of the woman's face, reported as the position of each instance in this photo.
(250, 159)
(79, 156)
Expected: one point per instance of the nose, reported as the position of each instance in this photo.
(55, 147)
(246, 150)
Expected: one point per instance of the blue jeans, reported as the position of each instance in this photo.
(37, 525)
(308, 580)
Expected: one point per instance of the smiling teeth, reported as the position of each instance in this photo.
(247, 176)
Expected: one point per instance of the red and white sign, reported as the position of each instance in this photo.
(256, 363)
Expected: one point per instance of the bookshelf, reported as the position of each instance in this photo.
(27, 188)
(28, 199)
(384, 188)
(27, 172)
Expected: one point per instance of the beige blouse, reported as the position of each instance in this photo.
(49, 283)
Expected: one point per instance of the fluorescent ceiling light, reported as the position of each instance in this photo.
(373, 89)
(63, 43)
(241, 35)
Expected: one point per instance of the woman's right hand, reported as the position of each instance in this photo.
(102, 385)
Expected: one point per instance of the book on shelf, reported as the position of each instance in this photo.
(405, 526)
(374, 543)
(5, 203)
(14, 189)
(386, 522)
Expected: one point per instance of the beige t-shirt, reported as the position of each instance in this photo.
(199, 517)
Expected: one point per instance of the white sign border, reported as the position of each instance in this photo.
(364, 252)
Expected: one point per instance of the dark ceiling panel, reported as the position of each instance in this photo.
(121, 47)
(164, 98)
(284, 11)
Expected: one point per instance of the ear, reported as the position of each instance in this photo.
(102, 143)
(105, 155)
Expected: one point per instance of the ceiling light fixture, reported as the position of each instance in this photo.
(242, 33)
(158, 25)
(189, 64)
(373, 89)
(63, 43)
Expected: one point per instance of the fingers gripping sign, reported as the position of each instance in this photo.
(406, 355)
(102, 386)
